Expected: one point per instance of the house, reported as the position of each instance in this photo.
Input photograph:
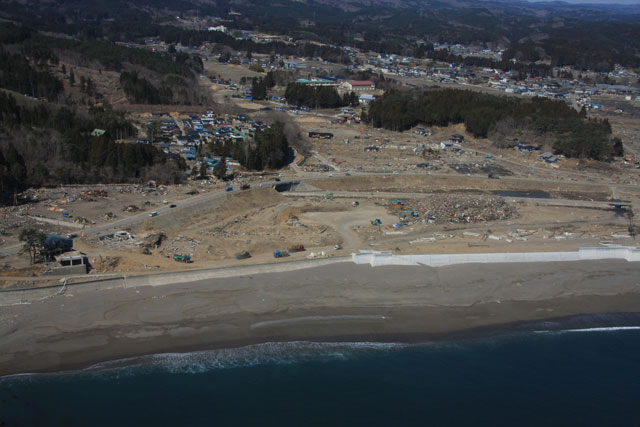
(366, 98)
(456, 137)
(358, 85)
(317, 82)
(294, 65)
(548, 157)
(446, 145)
(219, 28)
(524, 146)
(328, 78)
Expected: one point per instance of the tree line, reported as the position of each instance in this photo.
(110, 55)
(140, 90)
(17, 74)
(41, 145)
(575, 135)
(261, 85)
(268, 149)
(318, 96)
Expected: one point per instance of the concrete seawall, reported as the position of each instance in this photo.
(375, 258)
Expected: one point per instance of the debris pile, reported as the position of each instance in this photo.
(180, 245)
(293, 221)
(108, 263)
(91, 195)
(82, 220)
(154, 240)
(441, 208)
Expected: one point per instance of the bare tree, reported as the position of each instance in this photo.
(33, 242)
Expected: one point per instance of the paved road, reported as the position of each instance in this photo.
(325, 161)
(366, 194)
(113, 226)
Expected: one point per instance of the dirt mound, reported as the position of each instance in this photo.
(248, 201)
(287, 214)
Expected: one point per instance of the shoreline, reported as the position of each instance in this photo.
(595, 322)
(341, 302)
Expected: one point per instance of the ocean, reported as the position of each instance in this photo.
(583, 377)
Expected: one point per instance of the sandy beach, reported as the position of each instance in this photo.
(335, 302)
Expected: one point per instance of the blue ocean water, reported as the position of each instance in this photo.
(570, 378)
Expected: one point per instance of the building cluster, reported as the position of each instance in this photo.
(185, 136)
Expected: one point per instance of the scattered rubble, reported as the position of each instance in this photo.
(449, 208)
(92, 195)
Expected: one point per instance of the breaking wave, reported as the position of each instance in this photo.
(271, 353)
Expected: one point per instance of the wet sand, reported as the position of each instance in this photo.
(339, 302)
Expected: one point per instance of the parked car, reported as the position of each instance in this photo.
(154, 213)
(172, 206)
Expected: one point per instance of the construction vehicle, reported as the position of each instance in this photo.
(183, 258)
(409, 212)
(297, 248)
(243, 255)
(280, 254)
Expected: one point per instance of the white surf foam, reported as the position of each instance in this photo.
(275, 353)
(602, 329)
